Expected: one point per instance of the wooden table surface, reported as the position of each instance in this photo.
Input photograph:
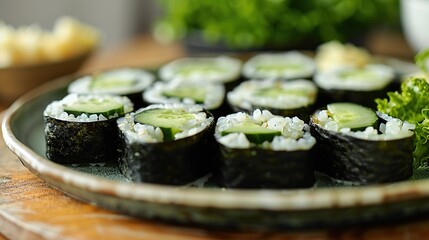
(31, 209)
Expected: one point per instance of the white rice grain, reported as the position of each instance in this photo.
(295, 133)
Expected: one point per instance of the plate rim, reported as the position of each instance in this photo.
(264, 199)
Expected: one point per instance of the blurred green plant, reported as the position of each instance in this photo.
(242, 24)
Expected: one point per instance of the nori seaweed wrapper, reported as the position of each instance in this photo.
(365, 98)
(229, 86)
(223, 110)
(362, 161)
(137, 99)
(81, 142)
(263, 168)
(175, 162)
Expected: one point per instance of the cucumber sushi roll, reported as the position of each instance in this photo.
(82, 128)
(166, 144)
(208, 95)
(357, 144)
(262, 150)
(286, 98)
(360, 85)
(288, 65)
(129, 82)
(223, 70)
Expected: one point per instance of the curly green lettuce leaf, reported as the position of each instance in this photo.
(411, 104)
(421, 151)
(422, 59)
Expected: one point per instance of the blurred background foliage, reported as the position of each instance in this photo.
(254, 24)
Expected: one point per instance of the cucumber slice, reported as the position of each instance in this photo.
(254, 132)
(110, 83)
(280, 67)
(170, 121)
(359, 75)
(353, 116)
(104, 106)
(195, 93)
(275, 92)
(203, 69)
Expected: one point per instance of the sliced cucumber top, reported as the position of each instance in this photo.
(254, 132)
(170, 121)
(359, 75)
(110, 83)
(104, 106)
(276, 92)
(280, 67)
(195, 93)
(200, 68)
(353, 116)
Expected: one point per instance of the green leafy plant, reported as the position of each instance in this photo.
(411, 104)
(252, 24)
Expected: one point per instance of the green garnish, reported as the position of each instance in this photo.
(411, 104)
(422, 59)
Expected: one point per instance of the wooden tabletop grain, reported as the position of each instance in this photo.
(31, 209)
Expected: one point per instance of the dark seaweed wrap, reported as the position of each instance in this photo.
(137, 99)
(362, 161)
(263, 168)
(175, 162)
(229, 86)
(223, 110)
(81, 142)
(365, 98)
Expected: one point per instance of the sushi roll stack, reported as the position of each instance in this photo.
(357, 145)
(200, 118)
(82, 128)
(263, 150)
(166, 144)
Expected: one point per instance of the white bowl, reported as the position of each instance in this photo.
(415, 21)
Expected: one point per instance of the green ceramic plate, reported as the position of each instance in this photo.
(104, 186)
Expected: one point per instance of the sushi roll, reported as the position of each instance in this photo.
(222, 69)
(358, 145)
(82, 128)
(208, 95)
(262, 150)
(333, 55)
(360, 85)
(129, 82)
(166, 144)
(286, 98)
(286, 66)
